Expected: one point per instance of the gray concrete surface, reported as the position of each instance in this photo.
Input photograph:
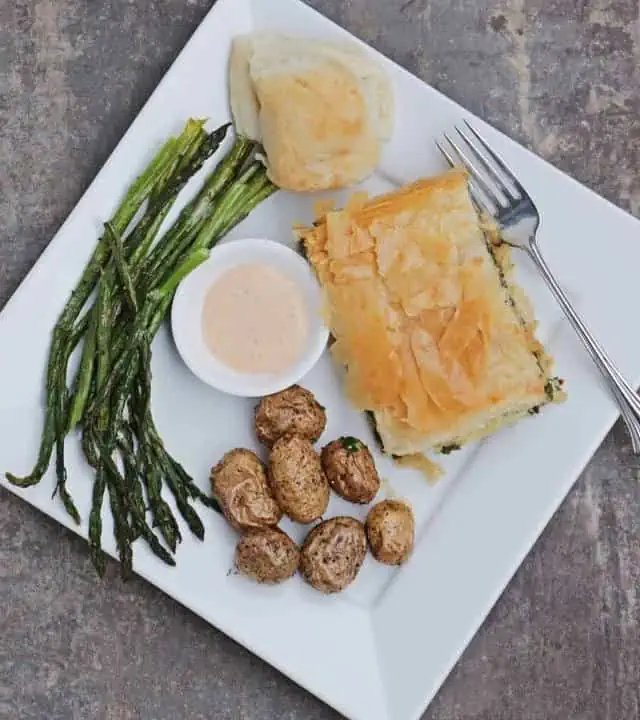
(563, 642)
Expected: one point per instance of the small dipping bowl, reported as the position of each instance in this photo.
(189, 303)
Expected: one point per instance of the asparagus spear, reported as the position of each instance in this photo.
(95, 522)
(194, 148)
(126, 281)
(64, 339)
(135, 283)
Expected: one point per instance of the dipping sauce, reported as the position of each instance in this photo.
(255, 319)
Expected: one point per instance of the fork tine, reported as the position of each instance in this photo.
(491, 154)
(481, 203)
(447, 155)
(498, 198)
(477, 195)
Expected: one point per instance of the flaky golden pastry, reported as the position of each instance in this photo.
(436, 342)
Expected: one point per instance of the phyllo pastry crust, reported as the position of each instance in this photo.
(436, 342)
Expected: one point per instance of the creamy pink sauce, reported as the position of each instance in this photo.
(255, 320)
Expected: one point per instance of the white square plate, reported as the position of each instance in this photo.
(381, 650)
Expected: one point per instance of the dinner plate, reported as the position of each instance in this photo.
(380, 650)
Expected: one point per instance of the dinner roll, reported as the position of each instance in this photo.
(321, 110)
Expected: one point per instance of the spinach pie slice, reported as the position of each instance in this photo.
(437, 342)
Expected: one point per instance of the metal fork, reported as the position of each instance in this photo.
(496, 191)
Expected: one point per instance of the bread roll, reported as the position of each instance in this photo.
(320, 110)
(244, 103)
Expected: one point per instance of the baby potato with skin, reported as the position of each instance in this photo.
(239, 483)
(351, 470)
(332, 554)
(267, 555)
(390, 527)
(297, 480)
(293, 410)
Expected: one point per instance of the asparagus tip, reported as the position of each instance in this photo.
(23, 482)
(97, 558)
(68, 503)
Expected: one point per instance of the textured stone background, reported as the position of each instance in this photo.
(563, 77)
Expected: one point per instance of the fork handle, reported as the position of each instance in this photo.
(626, 398)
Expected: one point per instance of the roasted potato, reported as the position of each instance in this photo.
(267, 555)
(296, 478)
(350, 470)
(294, 410)
(239, 484)
(333, 553)
(390, 527)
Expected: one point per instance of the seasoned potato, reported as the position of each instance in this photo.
(391, 530)
(294, 410)
(350, 470)
(333, 553)
(267, 555)
(239, 483)
(297, 480)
